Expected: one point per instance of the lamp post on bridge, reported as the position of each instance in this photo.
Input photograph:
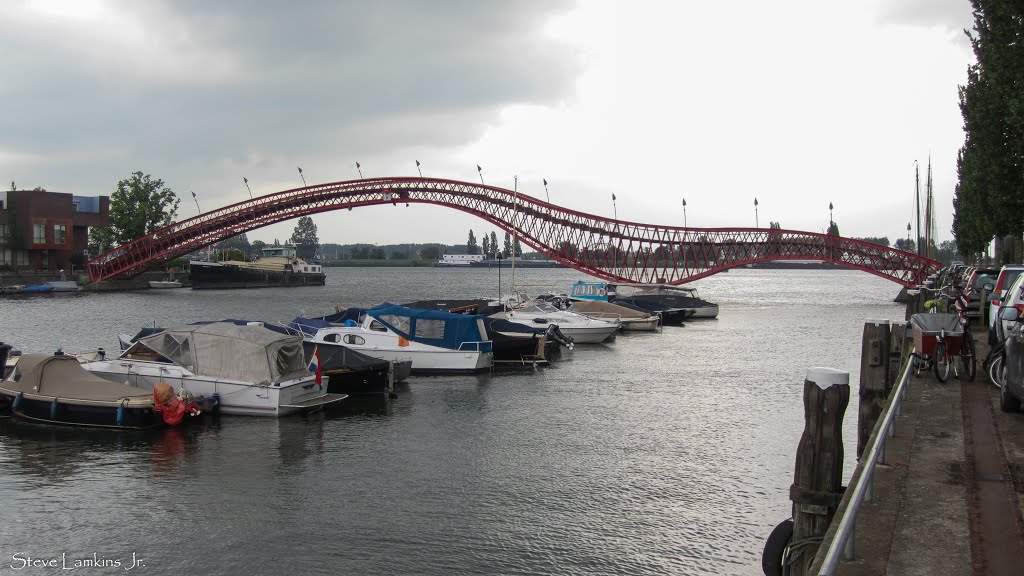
(301, 176)
(757, 224)
(829, 215)
(684, 212)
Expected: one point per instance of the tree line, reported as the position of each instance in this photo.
(988, 200)
(490, 246)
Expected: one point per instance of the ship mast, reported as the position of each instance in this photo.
(917, 205)
(929, 220)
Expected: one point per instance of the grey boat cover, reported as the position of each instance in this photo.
(231, 351)
(590, 306)
(64, 378)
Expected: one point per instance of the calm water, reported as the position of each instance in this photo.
(666, 453)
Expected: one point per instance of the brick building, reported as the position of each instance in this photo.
(47, 230)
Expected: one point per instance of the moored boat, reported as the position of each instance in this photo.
(582, 329)
(56, 389)
(278, 267)
(630, 318)
(254, 370)
(435, 341)
(674, 303)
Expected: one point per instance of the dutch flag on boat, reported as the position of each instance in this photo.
(314, 366)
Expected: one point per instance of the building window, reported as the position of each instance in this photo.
(21, 257)
(3, 233)
(5, 257)
(38, 234)
(60, 234)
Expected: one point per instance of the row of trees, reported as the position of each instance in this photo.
(490, 246)
(989, 197)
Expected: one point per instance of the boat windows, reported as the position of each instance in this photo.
(353, 339)
(377, 326)
(429, 329)
(332, 338)
(401, 323)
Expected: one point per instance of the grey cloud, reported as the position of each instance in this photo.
(306, 78)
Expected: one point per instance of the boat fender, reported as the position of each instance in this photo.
(120, 414)
(53, 409)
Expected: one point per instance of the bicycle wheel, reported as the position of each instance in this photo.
(968, 357)
(942, 364)
(995, 371)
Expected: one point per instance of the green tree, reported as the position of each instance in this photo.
(487, 245)
(989, 196)
(880, 240)
(231, 254)
(833, 229)
(240, 243)
(494, 244)
(507, 251)
(906, 244)
(517, 248)
(379, 254)
(398, 255)
(471, 246)
(430, 252)
(139, 205)
(305, 239)
(256, 248)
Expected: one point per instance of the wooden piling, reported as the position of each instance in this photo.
(874, 381)
(819, 463)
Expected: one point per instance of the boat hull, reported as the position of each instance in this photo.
(438, 361)
(589, 335)
(640, 324)
(213, 276)
(105, 415)
(234, 397)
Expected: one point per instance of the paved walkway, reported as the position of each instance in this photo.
(948, 498)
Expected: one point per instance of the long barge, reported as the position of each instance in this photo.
(279, 267)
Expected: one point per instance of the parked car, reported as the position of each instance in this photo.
(1012, 390)
(1013, 297)
(1007, 275)
(974, 285)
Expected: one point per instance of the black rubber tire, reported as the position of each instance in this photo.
(775, 547)
(941, 362)
(1007, 401)
(969, 357)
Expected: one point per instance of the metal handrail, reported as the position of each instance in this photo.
(861, 487)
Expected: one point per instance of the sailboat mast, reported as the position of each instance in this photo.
(917, 204)
(929, 212)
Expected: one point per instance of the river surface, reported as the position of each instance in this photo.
(664, 453)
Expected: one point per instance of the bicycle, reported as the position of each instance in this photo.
(941, 337)
(996, 357)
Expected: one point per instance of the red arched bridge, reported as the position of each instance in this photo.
(610, 249)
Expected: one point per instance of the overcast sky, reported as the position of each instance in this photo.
(798, 103)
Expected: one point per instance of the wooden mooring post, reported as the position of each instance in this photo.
(817, 482)
(881, 356)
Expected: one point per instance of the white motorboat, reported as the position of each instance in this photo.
(582, 329)
(252, 369)
(435, 341)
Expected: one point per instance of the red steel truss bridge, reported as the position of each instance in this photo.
(610, 249)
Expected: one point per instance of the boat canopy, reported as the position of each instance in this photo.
(433, 327)
(64, 377)
(250, 353)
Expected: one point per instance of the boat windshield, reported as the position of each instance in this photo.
(541, 308)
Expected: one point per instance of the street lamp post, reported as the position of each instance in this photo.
(757, 224)
(684, 212)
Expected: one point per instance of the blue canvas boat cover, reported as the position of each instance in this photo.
(433, 327)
